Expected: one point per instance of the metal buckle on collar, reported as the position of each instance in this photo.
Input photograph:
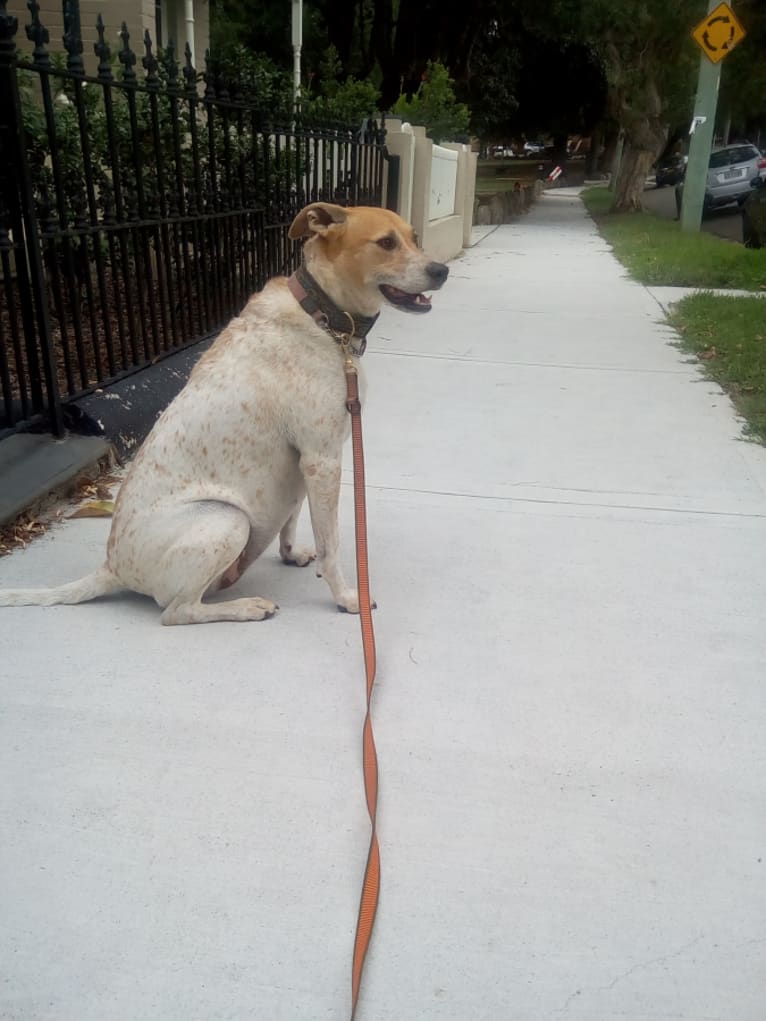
(309, 303)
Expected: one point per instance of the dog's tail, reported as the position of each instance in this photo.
(100, 583)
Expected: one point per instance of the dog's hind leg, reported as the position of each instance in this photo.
(288, 551)
(185, 550)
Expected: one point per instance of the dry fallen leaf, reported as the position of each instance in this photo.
(709, 354)
(95, 509)
(19, 533)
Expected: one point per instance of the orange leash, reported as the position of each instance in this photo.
(371, 884)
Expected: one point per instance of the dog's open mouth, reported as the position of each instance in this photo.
(405, 300)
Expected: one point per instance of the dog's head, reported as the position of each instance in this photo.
(361, 255)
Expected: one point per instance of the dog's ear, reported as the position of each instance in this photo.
(316, 219)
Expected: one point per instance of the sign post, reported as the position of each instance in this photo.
(716, 35)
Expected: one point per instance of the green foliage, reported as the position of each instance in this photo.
(348, 102)
(435, 105)
(267, 87)
(491, 90)
(150, 150)
(352, 102)
(743, 74)
(258, 27)
(498, 49)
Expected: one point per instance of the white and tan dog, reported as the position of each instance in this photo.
(260, 424)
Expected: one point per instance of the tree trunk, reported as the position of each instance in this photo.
(591, 160)
(614, 169)
(606, 159)
(726, 127)
(645, 128)
(634, 169)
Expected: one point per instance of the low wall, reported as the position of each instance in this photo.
(505, 206)
(437, 185)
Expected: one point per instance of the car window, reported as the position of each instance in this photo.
(743, 153)
(719, 159)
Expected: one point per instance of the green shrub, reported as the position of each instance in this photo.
(348, 102)
(435, 106)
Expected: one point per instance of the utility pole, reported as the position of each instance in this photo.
(716, 35)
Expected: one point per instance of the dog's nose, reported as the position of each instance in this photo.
(438, 272)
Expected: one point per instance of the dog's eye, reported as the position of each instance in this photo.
(387, 243)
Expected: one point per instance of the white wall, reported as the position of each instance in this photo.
(443, 182)
(437, 184)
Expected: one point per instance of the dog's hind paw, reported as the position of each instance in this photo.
(297, 557)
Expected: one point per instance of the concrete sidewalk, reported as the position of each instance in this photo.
(568, 549)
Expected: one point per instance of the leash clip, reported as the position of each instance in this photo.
(345, 342)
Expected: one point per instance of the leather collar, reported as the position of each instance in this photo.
(342, 326)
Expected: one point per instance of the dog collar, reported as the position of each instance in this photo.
(342, 326)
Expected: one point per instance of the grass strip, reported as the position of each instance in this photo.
(728, 335)
(657, 252)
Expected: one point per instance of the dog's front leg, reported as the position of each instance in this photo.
(322, 477)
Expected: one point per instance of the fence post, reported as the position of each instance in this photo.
(393, 164)
(16, 187)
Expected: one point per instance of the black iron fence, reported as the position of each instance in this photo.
(139, 209)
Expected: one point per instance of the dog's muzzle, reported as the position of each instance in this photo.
(437, 273)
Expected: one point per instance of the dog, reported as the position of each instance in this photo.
(259, 426)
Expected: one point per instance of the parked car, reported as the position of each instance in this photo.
(731, 170)
(670, 169)
(754, 216)
(533, 148)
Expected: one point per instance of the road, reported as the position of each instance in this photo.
(725, 223)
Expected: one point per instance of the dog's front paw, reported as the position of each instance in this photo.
(349, 602)
(297, 557)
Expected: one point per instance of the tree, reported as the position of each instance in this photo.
(648, 60)
(557, 67)
(434, 105)
(560, 90)
(489, 84)
(348, 102)
(742, 99)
